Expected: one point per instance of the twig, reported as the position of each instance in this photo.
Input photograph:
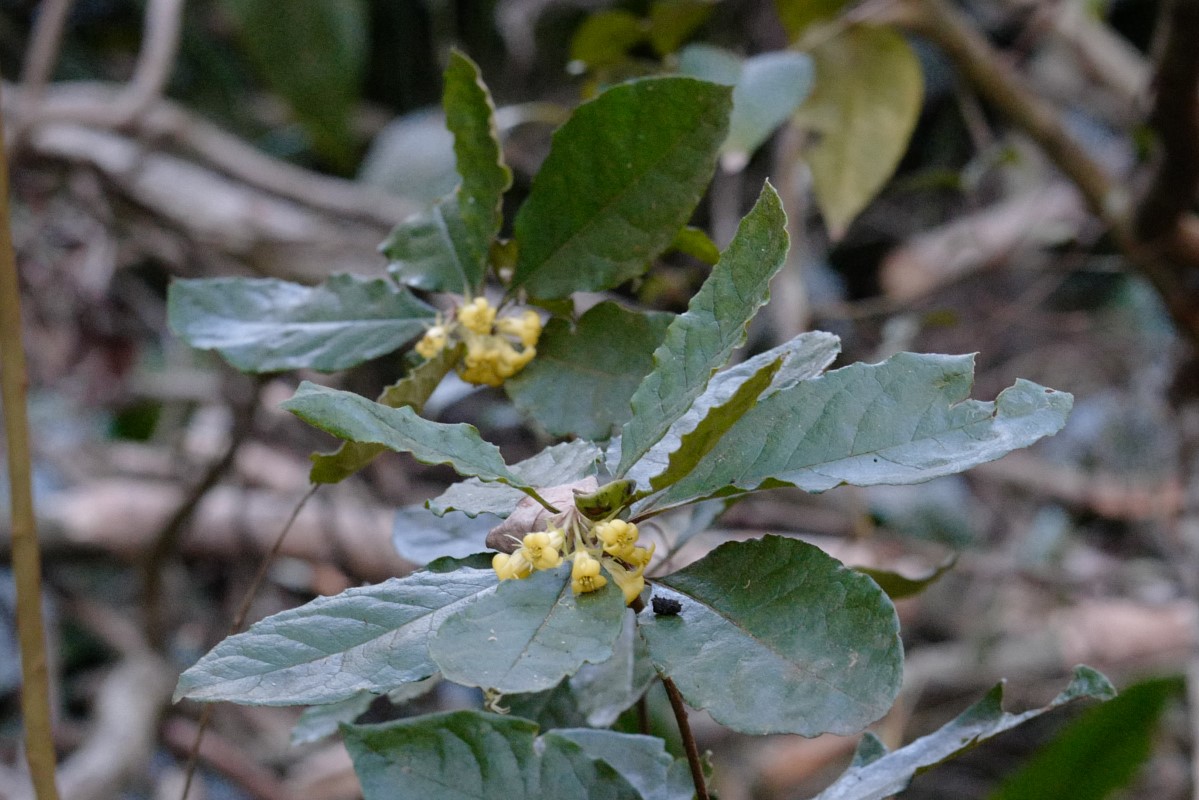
(239, 619)
(1175, 119)
(1003, 87)
(95, 105)
(226, 758)
(44, 46)
(680, 716)
(693, 759)
(35, 692)
(166, 543)
(155, 59)
(1170, 260)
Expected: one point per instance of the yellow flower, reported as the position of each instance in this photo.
(526, 327)
(477, 315)
(540, 552)
(585, 574)
(483, 362)
(490, 360)
(640, 556)
(511, 566)
(618, 537)
(631, 582)
(433, 342)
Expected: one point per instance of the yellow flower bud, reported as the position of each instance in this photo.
(483, 362)
(526, 327)
(477, 315)
(538, 549)
(433, 342)
(631, 582)
(511, 566)
(585, 574)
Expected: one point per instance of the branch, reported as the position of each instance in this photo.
(96, 106)
(1175, 118)
(155, 59)
(44, 46)
(26, 558)
(1170, 258)
(1000, 84)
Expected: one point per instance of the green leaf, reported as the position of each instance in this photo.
(561, 463)
(445, 249)
(582, 379)
(867, 98)
(605, 38)
(603, 691)
(804, 357)
(321, 722)
(1099, 752)
(889, 774)
(315, 57)
(906, 420)
(553, 708)
(700, 341)
(641, 760)
(597, 694)
(371, 639)
(352, 417)
(899, 586)
(421, 537)
(529, 634)
(775, 636)
(470, 754)
(413, 390)
(269, 325)
(622, 177)
(697, 443)
(870, 749)
(672, 22)
(798, 15)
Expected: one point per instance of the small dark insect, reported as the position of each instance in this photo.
(666, 607)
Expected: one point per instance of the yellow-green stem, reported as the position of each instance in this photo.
(26, 559)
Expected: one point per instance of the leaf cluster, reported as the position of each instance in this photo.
(770, 635)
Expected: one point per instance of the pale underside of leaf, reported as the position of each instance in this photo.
(269, 325)
(906, 420)
(700, 341)
(530, 635)
(804, 357)
(885, 775)
(369, 639)
(352, 417)
(561, 463)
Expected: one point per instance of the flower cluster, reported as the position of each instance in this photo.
(594, 548)
(495, 349)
